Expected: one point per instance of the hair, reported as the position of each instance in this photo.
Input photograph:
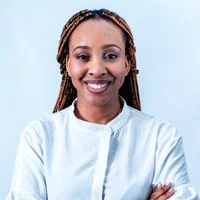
(129, 89)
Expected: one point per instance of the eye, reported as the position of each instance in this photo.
(83, 57)
(110, 56)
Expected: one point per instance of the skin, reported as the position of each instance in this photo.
(162, 192)
(97, 54)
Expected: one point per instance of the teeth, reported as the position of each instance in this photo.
(97, 86)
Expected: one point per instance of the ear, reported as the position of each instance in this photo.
(67, 63)
(127, 66)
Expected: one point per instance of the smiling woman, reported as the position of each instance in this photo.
(98, 144)
(97, 65)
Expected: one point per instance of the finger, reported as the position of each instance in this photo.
(170, 193)
(159, 191)
(158, 187)
(167, 187)
(167, 195)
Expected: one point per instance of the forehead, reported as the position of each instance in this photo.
(94, 32)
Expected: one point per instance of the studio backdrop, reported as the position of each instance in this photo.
(167, 41)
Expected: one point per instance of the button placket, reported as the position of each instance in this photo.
(101, 165)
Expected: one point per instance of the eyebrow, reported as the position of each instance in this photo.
(103, 47)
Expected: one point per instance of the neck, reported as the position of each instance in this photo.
(97, 114)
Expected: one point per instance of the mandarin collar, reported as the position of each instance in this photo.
(95, 129)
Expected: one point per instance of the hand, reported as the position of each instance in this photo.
(162, 192)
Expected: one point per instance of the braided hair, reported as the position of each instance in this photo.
(129, 89)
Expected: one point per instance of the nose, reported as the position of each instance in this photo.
(97, 68)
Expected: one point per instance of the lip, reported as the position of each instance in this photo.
(97, 90)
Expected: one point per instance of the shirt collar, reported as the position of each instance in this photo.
(95, 129)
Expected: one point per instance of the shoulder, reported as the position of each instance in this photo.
(141, 120)
(46, 125)
(163, 130)
(139, 115)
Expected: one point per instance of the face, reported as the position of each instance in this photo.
(96, 62)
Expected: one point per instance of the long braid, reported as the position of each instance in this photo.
(67, 91)
(129, 90)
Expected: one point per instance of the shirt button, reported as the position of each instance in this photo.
(107, 129)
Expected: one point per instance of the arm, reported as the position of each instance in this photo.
(28, 178)
(170, 163)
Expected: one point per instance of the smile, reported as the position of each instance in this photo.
(97, 86)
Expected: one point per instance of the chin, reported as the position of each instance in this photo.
(99, 101)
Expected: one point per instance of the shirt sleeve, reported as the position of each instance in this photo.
(170, 163)
(28, 179)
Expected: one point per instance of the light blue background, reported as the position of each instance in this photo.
(167, 37)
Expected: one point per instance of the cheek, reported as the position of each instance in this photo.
(76, 71)
(119, 72)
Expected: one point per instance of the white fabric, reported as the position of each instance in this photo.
(61, 157)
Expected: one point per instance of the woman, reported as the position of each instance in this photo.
(98, 144)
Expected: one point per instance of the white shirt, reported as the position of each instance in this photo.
(61, 157)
